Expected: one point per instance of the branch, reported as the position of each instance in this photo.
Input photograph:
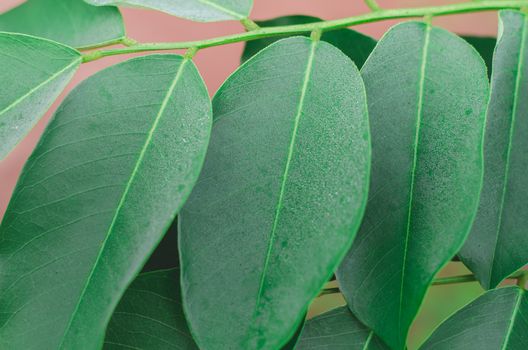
(380, 15)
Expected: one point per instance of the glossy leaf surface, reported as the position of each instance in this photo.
(498, 244)
(95, 198)
(71, 22)
(280, 197)
(196, 10)
(338, 329)
(427, 114)
(35, 72)
(497, 320)
(355, 45)
(150, 315)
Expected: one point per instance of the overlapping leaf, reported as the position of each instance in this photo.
(150, 315)
(498, 244)
(338, 329)
(427, 91)
(485, 47)
(355, 45)
(34, 72)
(106, 180)
(196, 10)
(71, 22)
(280, 197)
(496, 320)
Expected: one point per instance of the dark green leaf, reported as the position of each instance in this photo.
(353, 44)
(280, 198)
(338, 329)
(196, 10)
(71, 22)
(427, 91)
(34, 73)
(150, 315)
(496, 320)
(485, 47)
(106, 180)
(498, 244)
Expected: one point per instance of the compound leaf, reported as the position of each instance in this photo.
(95, 198)
(71, 22)
(196, 10)
(280, 197)
(498, 244)
(427, 91)
(35, 72)
(495, 320)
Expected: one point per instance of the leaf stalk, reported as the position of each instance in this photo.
(261, 33)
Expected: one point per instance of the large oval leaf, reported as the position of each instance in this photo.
(280, 198)
(485, 47)
(338, 329)
(355, 45)
(71, 22)
(196, 10)
(106, 180)
(35, 72)
(150, 315)
(427, 91)
(495, 320)
(498, 244)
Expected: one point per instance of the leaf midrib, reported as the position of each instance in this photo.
(515, 312)
(518, 79)
(414, 166)
(39, 86)
(223, 9)
(125, 191)
(306, 80)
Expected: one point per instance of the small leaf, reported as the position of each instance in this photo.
(338, 329)
(427, 113)
(150, 315)
(280, 197)
(495, 320)
(498, 244)
(105, 182)
(196, 10)
(35, 72)
(355, 45)
(485, 47)
(71, 22)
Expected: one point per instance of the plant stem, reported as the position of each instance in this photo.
(373, 5)
(521, 277)
(376, 16)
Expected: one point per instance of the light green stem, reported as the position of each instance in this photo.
(380, 15)
(373, 5)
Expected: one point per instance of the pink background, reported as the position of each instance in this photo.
(217, 63)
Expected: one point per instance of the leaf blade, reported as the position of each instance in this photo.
(497, 245)
(196, 10)
(72, 22)
(93, 193)
(243, 203)
(492, 321)
(411, 228)
(40, 70)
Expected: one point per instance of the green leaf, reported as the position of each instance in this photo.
(485, 47)
(150, 315)
(35, 72)
(427, 114)
(280, 198)
(338, 329)
(196, 10)
(95, 198)
(355, 45)
(498, 244)
(71, 22)
(495, 320)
